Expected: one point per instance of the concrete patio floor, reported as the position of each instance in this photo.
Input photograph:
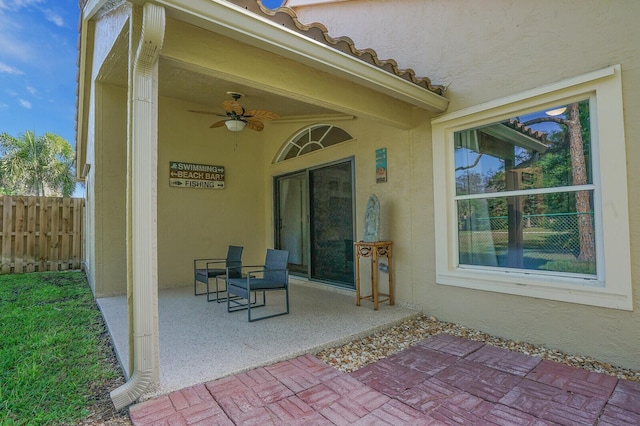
(443, 380)
(200, 341)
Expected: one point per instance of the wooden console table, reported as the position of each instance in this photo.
(374, 250)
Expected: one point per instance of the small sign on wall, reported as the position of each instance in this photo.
(381, 165)
(190, 175)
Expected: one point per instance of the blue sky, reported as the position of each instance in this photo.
(38, 54)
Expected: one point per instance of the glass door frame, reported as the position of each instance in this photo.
(278, 236)
(308, 252)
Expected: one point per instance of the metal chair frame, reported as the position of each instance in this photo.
(205, 269)
(257, 281)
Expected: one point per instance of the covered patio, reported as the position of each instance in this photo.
(145, 69)
(200, 341)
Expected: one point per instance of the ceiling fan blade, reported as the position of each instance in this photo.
(261, 114)
(233, 107)
(217, 124)
(207, 112)
(255, 125)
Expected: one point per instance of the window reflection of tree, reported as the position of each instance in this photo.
(560, 159)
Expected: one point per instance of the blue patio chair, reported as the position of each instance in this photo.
(272, 276)
(205, 270)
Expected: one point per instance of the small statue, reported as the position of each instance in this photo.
(372, 220)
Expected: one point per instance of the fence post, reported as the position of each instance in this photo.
(43, 241)
(65, 236)
(32, 208)
(7, 228)
(78, 232)
(18, 252)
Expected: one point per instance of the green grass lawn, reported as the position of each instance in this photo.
(55, 357)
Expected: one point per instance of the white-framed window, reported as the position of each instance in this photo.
(530, 194)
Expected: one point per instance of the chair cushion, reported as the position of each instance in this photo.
(201, 274)
(257, 284)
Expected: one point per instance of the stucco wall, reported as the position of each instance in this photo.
(395, 211)
(106, 203)
(198, 223)
(195, 222)
(484, 51)
(106, 153)
(109, 189)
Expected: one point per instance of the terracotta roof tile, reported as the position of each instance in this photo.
(515, 124)
(288, 18)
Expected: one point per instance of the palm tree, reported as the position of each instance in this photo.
(36, 165)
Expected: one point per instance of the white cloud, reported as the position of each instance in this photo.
(16, 49)
(7, 69)
(25, 104)
(17, 4)
(12, 46)
(32, 90)
(9, 24)
(53, 17)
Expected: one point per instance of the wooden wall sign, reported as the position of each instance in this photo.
(190, 175)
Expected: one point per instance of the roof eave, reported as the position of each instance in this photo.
(230, 20)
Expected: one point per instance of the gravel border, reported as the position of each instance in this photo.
(358, 353)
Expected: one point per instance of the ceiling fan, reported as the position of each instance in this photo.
(238, 117)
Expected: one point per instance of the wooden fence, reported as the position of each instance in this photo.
(41, 234)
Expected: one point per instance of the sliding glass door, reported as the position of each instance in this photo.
(292, 230)
(314, 221)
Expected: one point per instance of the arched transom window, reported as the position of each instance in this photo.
(313, 138)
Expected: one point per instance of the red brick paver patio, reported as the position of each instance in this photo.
(444, 380)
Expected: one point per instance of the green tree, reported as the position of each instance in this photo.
(577, 125)
(36, 165)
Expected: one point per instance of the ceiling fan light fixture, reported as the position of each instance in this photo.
(236, 117)
(235, 125)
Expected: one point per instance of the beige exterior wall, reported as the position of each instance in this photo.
(106, 153)
(195, 223)
(108, 183)
(485, 51)
(202, 223)
(396, 200)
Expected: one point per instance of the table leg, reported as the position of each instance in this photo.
(357, 265)
(374, 279)
(390, 277)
